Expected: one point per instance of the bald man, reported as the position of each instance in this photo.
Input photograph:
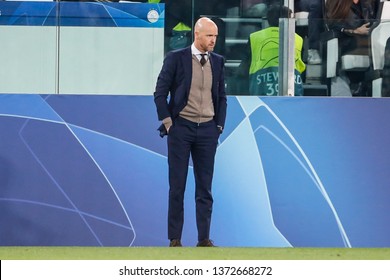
(191, 103)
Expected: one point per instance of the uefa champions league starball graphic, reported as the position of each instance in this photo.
(91, 170)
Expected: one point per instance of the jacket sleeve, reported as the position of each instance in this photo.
(163, 86)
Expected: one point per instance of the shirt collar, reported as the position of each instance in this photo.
(195, 51)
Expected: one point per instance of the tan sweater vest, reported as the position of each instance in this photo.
(200, 106)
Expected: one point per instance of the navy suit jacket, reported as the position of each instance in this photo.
(175, 80)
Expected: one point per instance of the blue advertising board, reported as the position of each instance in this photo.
(91, 170)
(96, 14)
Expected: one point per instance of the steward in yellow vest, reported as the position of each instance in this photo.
(263, 58)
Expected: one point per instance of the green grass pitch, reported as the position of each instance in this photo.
(191, 253)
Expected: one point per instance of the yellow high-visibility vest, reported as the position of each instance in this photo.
(264, 66)
(265, 50)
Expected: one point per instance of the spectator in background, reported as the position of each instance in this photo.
(257, 8)
(178, 22)
(315, 27)
(351, 21)
(180, 14)
(386, 71)
(260, 63)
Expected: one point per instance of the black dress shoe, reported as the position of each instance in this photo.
(205, 243)
(175, 243)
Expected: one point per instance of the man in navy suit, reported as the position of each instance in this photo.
(193, 118)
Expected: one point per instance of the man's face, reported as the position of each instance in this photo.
(206, 37)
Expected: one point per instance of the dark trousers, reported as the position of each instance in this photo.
(316, 20)
(186, 138)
